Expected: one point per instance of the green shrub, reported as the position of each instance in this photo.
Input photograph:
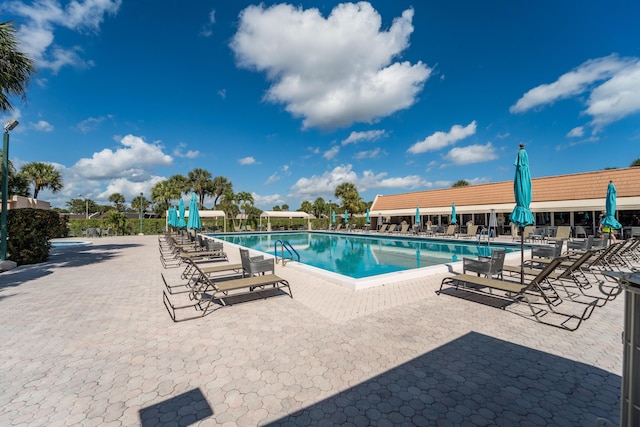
(29, 232)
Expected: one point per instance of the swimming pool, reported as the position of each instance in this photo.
(362, 255)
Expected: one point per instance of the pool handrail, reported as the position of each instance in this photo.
(290, 249)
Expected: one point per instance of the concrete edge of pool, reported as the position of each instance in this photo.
(373, 281)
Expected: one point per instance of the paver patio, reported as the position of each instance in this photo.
(87, 341)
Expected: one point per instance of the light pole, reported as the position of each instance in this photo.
(140, 202)
(86, 207)
(8, 127)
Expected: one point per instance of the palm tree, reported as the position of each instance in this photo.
(15, 67)
(221, 185)
(42, 176)
(351, 200)
(179, 185)
(245, 200)
(228, 205)
(118, 201)
(460, 183)
(161, 196)
(306, 206)
(18, 184)
(201, 184)
(635, 163)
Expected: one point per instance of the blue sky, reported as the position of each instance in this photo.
(289, 100)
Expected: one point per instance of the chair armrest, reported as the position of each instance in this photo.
(476, 265)
(261, 266)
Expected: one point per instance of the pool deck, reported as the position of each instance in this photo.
(87, 341)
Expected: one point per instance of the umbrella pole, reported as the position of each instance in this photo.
(522, 256)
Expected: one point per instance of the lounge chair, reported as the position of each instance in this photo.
(383, 228)
(562, 233)
(570, 272)
(256, 265)
(472, 230)
(487, 266)
(213, 290)
(532, 293)
(450, 232)
(404, 229)
(580, 232)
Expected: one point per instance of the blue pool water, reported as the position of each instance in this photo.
(359, 256)
(68, 243)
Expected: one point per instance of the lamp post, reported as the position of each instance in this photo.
(8, 127)
(86, 206)
(140, 202)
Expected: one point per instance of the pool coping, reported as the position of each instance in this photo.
(380, 279)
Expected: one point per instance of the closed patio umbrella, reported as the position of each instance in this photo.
(417, 214)
(194, 222)
(609, 221)
(521, 215)
(333, 217)
(172, 219)
(367, 219)
(181, 222)
(453, 214)
(346, 217)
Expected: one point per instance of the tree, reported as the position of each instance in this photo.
(137, 201)
(635, 163)
(18, 184)
(276, 208)
(15, 67)
(306, 206)
(460, 183)
(285, 207)
(178, 185)
(228, 205)
(80, 206)
(42, 176)
(221, 185)
(351, 200)
(201, 184)
(319, 207)
(118, 201)
(245, 200)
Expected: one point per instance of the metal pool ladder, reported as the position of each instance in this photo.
(291, 252)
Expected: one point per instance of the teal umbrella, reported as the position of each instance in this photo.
(333, 217)
(346, 217)
(417, 215)
(609, 221)
(521, 215)
(181, 222)
(171, 217)
(194, 215)
(453, 214)
(367, 218)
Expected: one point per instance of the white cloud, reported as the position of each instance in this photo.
(43, 126)
(442, 139)
(189, 154)
(472, 154)
(370, 154)
(268, 201)
(44, 17)
(613, 83)
(324, 185)
(129, 189)
(273, 178)
(247, 161)
(207, 29)
(331, 153)
(576, 132)
(330, 71)
(132, 161)
(370, 135)
(90, 124)
(222, 93)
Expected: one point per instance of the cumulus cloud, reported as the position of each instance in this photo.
(189, 154)
(472, 154)
(332, 152)
(317, 185)
(45, 17)
(331, 71)
(266, 202)
(442, 139)
(576, 132)
(370, 135)
(129, 189)
(613, 83)
(43, 126)
(247, 161)
(131, 161)
(370, 154)
(91, 123)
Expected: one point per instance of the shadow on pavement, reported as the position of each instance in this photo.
(475, 380)
(182, 410)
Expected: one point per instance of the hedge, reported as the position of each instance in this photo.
(29, 232)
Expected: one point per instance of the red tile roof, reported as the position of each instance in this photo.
(589, 185)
